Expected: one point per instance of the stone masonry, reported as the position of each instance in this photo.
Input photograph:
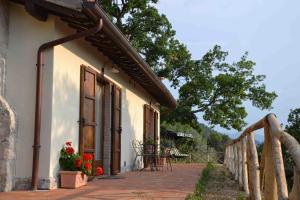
(7, 145)
(7, 116)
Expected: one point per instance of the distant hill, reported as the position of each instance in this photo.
(207, 130)
(259, 135)
(215, 139)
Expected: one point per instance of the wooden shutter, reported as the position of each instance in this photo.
(116, 129)
(146, 131)
(87, 119)
(156, 129)
(150, 126)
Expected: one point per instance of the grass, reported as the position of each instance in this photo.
(200, 187)
(216, 183)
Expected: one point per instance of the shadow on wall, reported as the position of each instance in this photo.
(66, 98)
(66, 105)
(134, 131)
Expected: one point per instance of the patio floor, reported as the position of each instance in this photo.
(131, 185)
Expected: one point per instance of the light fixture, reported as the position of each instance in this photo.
(111, 67)
(114, 70)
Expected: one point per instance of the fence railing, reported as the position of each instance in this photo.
(265, 177)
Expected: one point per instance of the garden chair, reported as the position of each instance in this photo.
(176, 154)
(165, 160)
(139, 152)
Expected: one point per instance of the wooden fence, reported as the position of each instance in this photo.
(265, 178)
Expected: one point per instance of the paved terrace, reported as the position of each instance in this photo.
(131, 185)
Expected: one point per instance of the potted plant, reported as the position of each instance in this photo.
(149, 145)
(74, 169)
(161, 160)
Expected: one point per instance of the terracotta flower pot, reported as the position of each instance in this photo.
(72, 179)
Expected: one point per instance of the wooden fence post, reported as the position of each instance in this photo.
(244, 166)
(231, 159)
(242, 160)
(294, 195)
(236, 162)
(254, 188)
(279, 167)
(270, 186)
(240, 163)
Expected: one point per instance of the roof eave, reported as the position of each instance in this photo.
(96, 13)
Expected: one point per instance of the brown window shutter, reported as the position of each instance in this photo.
(156, 127)
(87, 120)
(116, 129)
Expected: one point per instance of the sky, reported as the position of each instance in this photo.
(268, 29)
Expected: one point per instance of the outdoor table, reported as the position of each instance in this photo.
(150, 155)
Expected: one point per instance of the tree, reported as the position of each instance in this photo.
(293, 126)
(218, 141)
(209, 85)
(149, 32)
(218, 89)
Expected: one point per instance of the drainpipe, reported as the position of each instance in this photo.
(39, 85)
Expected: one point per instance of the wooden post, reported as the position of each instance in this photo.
(279, 168)
(236, 162)
(289, 141)
(244, 166)
(254, 189)
(240, 153)
(296, 186)
(226, 157)
(232, 159)
(270, 186)
(262, 169)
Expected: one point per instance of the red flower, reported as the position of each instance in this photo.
(69, 143)
(78, 163)
(87, 166)
(70, 150)
(99, 171)
(87, 156)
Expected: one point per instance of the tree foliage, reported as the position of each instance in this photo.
(219, 89)
(149, 32)
(293, 126)
(210, 85)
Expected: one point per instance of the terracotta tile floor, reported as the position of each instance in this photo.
(131, 185)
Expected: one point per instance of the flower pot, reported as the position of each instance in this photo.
(72, 179)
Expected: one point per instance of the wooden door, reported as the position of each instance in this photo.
(87, 119)
(99, 131)
(116, 130)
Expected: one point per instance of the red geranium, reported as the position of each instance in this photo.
(88, 166)
(78, 163)
(87, 156)
(69, 143)
(99, 171)
(70, 150)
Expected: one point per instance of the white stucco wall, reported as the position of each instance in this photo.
(61, 92)
(26, 34)
(66, 89)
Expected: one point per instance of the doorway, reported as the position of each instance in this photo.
(99, 131)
